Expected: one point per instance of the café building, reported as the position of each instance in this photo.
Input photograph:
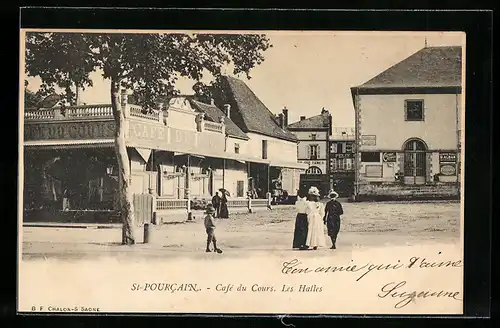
(185, 150)
(408, 128)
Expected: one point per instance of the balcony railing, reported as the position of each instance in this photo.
(138, 112)
(41, 114)
(83, 112)
(170, 204)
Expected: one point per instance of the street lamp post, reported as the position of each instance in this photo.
(188, 186)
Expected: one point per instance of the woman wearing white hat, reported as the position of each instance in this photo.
(315, 212)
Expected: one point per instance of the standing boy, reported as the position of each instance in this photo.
(210, 229)
(333, 211)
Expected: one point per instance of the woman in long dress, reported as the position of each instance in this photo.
(315, 213)
(224, 212)
(300, 232)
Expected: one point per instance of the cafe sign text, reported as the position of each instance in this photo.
(69, 131)
(448, 157)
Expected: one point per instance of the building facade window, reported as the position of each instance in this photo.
(414, 110)
(313, 151)
(370, 157)
(264, 149)
(313, 170)
(236, 148)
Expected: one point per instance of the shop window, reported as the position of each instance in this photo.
(370, 157)
(313, 151)
(373, 171)
(240, 185)
(414, 110)
(236, 148)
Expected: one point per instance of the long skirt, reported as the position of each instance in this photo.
(300, 233)
(315, 232)
(224, 212)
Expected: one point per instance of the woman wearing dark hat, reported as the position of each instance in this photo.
(333, 211)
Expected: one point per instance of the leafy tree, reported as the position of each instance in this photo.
(148, 64)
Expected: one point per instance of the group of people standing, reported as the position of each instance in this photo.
(312, 215)
(219, 204)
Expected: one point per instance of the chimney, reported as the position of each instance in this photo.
(78, 96)
(330, 123)
(281, 120)
(302, 118)
(227, 110)
(285, 117)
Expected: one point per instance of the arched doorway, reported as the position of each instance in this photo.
(415, 162)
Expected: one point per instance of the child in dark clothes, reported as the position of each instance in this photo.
(333, 211)
(210, 229)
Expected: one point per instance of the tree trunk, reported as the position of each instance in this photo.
(124, 193)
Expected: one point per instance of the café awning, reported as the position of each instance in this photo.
(290, 165)
(69, 144)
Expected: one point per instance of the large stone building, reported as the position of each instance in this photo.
(408, 121)
(313, 134)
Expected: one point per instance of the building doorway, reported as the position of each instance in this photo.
(415, 162)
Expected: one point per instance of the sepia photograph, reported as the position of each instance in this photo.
(255, 172)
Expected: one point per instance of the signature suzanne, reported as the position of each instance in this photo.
(392, 289)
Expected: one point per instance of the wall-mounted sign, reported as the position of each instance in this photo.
(389, 157)
(448, 169)
(312, 162)
(448, 157)
(69, 130)
(145, 131)
(344, 155)
(369, 140)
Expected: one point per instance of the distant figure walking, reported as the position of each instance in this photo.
(216, 202)
(300, 232)
(333, 211)
(315, 213)
(210, 229)
(224, 212)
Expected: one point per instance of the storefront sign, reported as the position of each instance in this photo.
(312, 162)
(343, 155)
(369, 140)
(69, 131)
(448, 157)
(182, 138)
(145, 131)
(448, 169)
(389, 157)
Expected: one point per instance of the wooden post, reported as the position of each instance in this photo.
(250, 204)
(147, 231)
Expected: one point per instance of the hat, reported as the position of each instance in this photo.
(333, 194)
(314, 191)
(210, 209)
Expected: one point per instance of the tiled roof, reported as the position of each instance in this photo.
(214, 113)
(249, 113)
(314, 122)
(428, 67)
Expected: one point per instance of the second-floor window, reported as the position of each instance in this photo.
(264, 149)
(236, 148)
(313, 151)
(414, 110)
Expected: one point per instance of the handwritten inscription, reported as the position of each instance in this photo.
(393, 290)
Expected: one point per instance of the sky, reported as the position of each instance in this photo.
(306, 70)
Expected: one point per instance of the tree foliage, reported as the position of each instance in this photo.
(148, 64)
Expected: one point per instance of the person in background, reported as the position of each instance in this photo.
(216, 202)
(315, 213)
(300, 232)
(333, 211)
(224, 212)
(210, 229)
